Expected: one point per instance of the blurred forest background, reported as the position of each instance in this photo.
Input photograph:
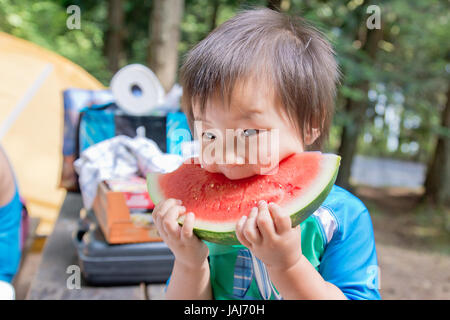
(393, 100)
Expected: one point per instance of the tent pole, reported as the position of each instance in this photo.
(17, 110)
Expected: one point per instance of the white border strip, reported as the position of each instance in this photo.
(327, 221)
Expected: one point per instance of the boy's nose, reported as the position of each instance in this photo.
(232, 158)
(234, 150)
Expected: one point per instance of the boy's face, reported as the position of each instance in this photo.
(249, 137)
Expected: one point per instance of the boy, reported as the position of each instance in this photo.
(262, 71)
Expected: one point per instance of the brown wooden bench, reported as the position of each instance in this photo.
(50, 280)
(28, 261)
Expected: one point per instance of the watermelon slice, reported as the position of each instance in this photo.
(301, 184)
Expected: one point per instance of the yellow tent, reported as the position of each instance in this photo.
(34, 141)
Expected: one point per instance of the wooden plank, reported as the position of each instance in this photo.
(51, 280)
(155, 291)
(28, 262)
(34, 223)
(50, 291)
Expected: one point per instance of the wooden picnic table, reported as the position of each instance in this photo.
(50, 281)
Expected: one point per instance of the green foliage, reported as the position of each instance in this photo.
(408, 77)
(44, 23)
(414, 73)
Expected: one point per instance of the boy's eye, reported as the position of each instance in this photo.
(208, 136)
(250, 132)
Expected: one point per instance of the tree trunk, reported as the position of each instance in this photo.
(357, 111)
(437, 183)
(213, 21)
(165, 35)
(274, 4)
(114, 35)
(349, 137)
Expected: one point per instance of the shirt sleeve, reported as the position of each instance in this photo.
(349, 260)
(10, 216)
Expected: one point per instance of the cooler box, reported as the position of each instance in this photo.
(124, 264)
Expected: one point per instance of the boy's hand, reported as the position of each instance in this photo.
(187, 248)
(269, 235)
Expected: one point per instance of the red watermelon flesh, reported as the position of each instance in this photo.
(299, 186)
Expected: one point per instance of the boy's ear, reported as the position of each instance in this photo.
(312, 136)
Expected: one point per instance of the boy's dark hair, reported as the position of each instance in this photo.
(284, 50)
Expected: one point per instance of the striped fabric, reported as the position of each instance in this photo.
(265, 286)
(243, 273)
(247, 266)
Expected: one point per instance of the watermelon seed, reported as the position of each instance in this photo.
(212, 185)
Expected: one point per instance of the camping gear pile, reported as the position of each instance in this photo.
(111, 141)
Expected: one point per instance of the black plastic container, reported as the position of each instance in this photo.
(120, 264)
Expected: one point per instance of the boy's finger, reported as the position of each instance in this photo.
(239, 234)
(281, 221)
(250, 229)
(166, 205)
(160, 229)
(158, 206)
(161, 210)
(170, 222)
(264, 220)
(187, 230)
(156, 215)
(158, 224)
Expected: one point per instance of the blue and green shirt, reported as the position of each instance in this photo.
(337, 239)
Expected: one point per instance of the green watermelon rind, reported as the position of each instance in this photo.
(229, 237)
